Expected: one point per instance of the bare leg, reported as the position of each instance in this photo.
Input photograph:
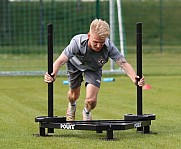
(73, 95)
(91, 97)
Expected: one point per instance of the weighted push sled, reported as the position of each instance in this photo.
(140, 121)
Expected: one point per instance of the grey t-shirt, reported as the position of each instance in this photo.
(83, 58)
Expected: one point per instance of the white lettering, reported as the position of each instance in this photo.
(137, 124)
(67, 126)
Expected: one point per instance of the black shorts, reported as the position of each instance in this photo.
(75, 76)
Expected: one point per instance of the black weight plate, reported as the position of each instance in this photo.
(134, 117)
(55, 119)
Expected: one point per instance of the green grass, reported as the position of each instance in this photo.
(24, 98)
(154, 62)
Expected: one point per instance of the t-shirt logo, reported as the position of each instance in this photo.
(100, 61)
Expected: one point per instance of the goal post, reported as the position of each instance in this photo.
(112, 32)
(23, 31)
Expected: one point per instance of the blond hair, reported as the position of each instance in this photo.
(100, 28)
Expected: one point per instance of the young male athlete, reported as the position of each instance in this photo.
(85, 55)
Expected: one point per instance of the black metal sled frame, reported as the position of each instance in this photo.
(95, 125)
(140, 121)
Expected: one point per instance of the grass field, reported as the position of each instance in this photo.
(23, 98)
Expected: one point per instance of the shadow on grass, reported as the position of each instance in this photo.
(118, 135)
(84, 135)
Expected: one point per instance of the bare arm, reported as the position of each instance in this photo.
(130, 71)
(60, 61)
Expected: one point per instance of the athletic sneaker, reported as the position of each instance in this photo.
(86, 115)
(70, 115)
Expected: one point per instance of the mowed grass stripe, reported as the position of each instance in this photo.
(23, 98)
